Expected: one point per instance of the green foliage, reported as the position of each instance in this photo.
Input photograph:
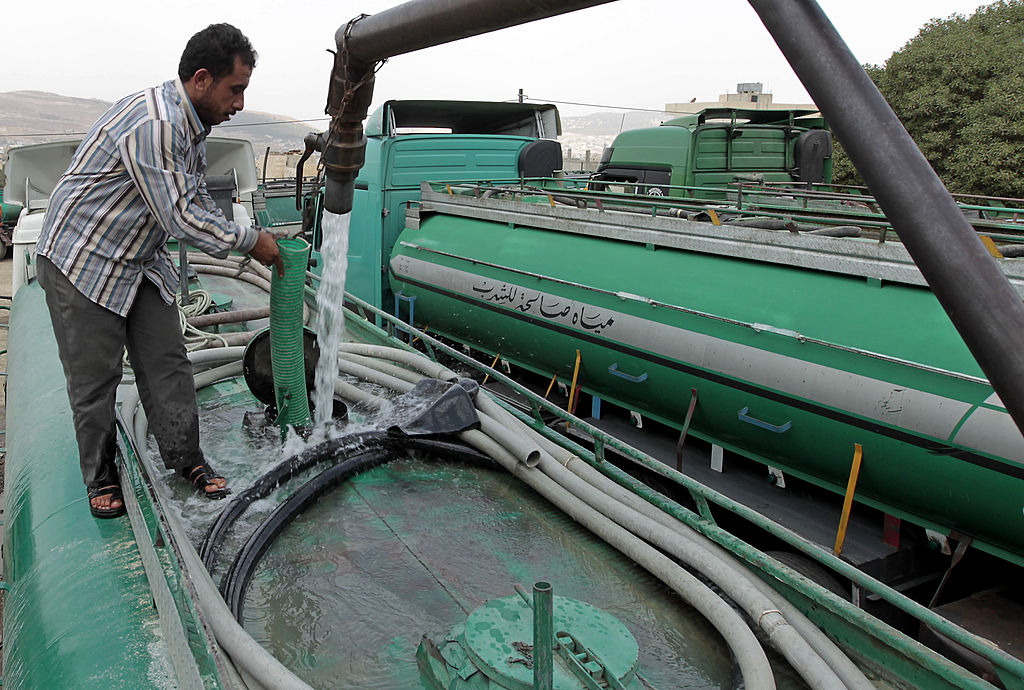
(958, 86)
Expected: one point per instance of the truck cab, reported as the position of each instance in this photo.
(410, 142)
(698, 155)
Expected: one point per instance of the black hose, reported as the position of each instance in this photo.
(262, 487)
(236, 581)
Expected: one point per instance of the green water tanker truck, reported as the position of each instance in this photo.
(791, 349)
(700, 155)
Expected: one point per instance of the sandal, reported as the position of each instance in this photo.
(114, 491)
(202, 476)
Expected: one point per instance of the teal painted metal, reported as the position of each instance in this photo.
(396, 165)
(497, 648)
(280, 211)
(887, 650)
(394, 169)
(9, 211)
(78, 611)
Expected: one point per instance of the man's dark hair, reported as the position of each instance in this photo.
(215, 48)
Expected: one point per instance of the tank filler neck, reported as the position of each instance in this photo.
(348, 100)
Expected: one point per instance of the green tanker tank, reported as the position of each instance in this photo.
(796, 348)
(9, 213)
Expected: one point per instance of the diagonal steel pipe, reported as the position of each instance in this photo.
(965, 278)
(424, 23)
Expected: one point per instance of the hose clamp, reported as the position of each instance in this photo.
(765, 613)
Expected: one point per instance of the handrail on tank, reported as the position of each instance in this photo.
(980, 301)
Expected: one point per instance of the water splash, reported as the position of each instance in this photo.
(330, 319)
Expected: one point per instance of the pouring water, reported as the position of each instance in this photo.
(330, 319)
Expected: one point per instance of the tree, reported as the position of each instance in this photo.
(958, 86)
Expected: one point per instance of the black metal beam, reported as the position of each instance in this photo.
(967, 281)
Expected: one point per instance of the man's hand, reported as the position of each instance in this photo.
(267, 253)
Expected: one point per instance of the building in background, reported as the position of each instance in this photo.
(749, 94)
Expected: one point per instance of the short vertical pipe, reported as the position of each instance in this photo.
(543, 637)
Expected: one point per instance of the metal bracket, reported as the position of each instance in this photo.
(613, 369)
(963, 541)
(686, 428)
(780, 429)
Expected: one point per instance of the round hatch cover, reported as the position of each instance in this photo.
(499, 638)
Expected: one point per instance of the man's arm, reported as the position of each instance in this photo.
(265, 250)
(154, 154)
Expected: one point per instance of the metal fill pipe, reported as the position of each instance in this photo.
(423, 23)
(366, 40)
(543, 634)
(968, 283)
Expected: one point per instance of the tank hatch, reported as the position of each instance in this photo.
(494, 649)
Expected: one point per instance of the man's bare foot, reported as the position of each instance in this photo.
(106, 502)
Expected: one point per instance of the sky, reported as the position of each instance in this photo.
(629, 53)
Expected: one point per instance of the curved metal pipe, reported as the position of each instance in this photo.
(367, 40)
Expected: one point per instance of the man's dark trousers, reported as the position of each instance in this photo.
(91, 340)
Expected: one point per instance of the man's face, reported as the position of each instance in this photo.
(216, 100)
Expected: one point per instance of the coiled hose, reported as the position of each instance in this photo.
(322, 453)
(240, 573)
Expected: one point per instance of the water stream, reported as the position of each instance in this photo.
(330, 319)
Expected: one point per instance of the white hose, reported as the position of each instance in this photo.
(415, 360)
(719, 563)
(754, 666)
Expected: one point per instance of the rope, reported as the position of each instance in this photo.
(199, 303)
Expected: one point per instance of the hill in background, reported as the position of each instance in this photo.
(33, 117)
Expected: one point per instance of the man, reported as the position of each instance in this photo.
(137, 179)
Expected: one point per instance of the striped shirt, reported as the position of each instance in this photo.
(137, 179)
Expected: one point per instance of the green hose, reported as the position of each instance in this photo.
(286, 342)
